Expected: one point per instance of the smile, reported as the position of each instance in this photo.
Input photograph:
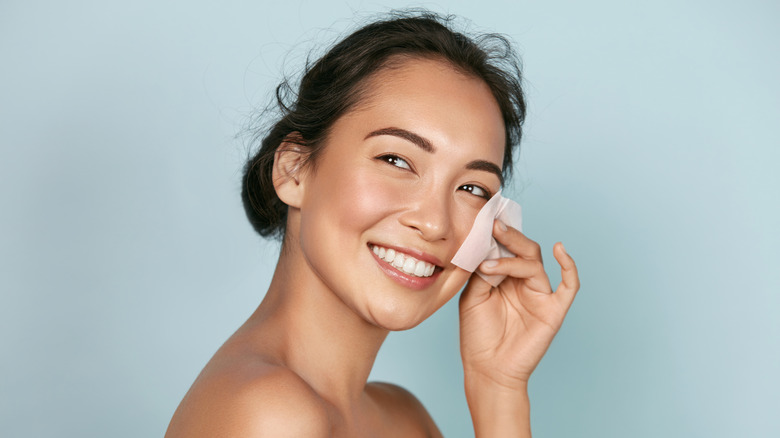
(404, 262)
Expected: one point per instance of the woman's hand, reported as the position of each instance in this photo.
(505, 331)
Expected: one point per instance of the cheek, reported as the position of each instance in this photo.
(466, 214)
(372, 200)
(352, 200)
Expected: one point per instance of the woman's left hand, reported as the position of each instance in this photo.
(505, 330)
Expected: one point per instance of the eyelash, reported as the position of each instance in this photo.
(394, 159)
(470, 188)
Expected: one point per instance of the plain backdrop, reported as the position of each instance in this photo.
(651, 151)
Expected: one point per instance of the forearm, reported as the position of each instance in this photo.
(498, 411)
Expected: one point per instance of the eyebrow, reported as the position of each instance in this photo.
(487, 166)
(426, 145)
(423, 143)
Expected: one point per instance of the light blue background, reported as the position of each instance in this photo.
(651, 151)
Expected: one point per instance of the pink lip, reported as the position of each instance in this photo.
(406, 280)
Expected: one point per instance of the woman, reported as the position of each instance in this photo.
(373, 177)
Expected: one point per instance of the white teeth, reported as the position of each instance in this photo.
(398, 261)
(403, 262)
(409, 265)
(419, 268)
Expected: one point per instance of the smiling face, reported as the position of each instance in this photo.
(396, 189)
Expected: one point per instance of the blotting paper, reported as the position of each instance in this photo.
(480, 244)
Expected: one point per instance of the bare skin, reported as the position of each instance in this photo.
(256, 385)
(299, 365)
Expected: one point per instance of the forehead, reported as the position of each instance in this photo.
(434, 99)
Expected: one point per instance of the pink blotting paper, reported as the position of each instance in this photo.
(480, 244)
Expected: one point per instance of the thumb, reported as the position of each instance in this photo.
(477, 291)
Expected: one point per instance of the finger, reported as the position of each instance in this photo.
(532, 271)
(477, 290)
(516, 242)
(570, 279)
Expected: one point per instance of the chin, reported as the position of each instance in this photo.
(394, 319)
(397, 326)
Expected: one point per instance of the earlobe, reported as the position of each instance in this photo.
(289, 172)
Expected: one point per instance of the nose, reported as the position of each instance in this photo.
(430, 215)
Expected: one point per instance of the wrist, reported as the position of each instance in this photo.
(477, 380)
(498, 409)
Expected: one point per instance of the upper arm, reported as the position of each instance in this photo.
(277, 403)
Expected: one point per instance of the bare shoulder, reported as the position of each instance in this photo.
(251, 399)
(404, 410)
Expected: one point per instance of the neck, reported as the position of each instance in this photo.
(311, 331)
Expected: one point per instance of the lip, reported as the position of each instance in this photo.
(406, 280)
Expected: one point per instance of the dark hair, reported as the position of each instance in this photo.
(334, 84)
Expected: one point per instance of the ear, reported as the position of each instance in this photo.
(289, 172)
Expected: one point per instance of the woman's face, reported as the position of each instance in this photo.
(405, 173)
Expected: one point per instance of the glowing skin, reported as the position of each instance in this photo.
(374, 186)
(371, 229)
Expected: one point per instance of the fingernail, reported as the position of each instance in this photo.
(490, 264)
(564, 248)
(501, 225)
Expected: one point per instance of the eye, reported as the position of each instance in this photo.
(475, 190)
(395, 161)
